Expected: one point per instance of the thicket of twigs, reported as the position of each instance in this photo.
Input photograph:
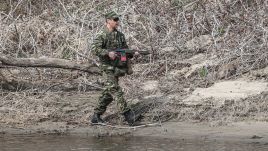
(64, 28)
(235, 32)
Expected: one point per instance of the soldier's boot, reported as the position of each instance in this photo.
(96, 119)
(129, 67)
(129, 117)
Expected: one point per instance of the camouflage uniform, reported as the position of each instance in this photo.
(105, 42)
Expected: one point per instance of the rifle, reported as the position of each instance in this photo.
(123, 53)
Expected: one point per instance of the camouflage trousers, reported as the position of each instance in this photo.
(112, 91)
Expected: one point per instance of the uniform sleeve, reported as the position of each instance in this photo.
(124, 42)
(97, 46)
(125, 46)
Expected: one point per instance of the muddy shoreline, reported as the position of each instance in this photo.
(69, 114)
(249, 132)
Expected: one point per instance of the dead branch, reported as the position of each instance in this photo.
(128, 127)
(48, 63)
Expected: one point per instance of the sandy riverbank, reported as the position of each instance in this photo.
(240, 132)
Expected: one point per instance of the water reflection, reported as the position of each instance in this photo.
(81, 143)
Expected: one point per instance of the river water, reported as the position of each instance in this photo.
(88, 143)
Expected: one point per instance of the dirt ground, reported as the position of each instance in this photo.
(69, 114)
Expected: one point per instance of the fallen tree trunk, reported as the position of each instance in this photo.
(48, 63)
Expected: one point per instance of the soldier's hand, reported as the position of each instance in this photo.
(112, 55)
(136, 53)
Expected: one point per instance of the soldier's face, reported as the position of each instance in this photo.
(114, 23)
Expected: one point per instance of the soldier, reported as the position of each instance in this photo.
(103, 46)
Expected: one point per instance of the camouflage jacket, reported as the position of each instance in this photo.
(106, 41)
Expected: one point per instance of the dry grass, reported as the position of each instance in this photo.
(66, 29)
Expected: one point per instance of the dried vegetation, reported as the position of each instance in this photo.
(194, 43)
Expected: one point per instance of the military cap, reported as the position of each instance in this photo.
(111, 15)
